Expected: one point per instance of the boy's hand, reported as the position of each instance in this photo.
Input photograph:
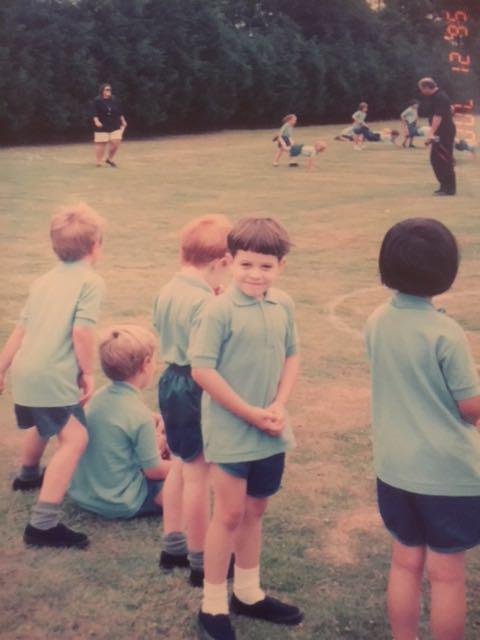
(267, 421)
(161, 437)
(86, 385)
(280, 413)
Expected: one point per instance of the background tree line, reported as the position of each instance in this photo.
(192, 65)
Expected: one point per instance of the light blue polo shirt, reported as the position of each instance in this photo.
(45, 368)
(122, 442)
(421, 366)
(410, 115)
(175, 312)
(359, 117)
(247, 342)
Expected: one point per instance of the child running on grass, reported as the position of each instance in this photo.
(121, 473)
(359, 127)
(425, 406)
(409, 120)
(284, 137)
(245, 357)
(203, 247)
(51, 351)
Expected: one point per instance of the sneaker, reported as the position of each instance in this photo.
(58, 536)
(268, 609)
(217, 627)
(196, 577)
(19, 484)
(168, 561)
(441, 192)
(293, 164)
(111, 163)
(275, 164)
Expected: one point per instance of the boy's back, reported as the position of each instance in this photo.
(421, 367)
(175, 312)
(45, 369)
(122, 440)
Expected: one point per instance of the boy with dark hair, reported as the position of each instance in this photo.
(203, 248)
(425, 407)
(245, 357)
(409, 119)
(51, 351)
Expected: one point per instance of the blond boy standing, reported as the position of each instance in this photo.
(51, 352)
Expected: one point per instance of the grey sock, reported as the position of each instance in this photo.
(30, 473)
(196, 560)
(175, 543)
(45, 515)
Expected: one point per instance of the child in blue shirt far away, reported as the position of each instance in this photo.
(245, 356)
(425, 408)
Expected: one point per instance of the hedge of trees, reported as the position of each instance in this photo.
(191, 65)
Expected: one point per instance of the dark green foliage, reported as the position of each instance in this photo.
(191, 65)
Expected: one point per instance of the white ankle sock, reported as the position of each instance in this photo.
(215, 598)
(246, 585)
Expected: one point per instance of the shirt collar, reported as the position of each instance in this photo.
(119, 386)
(242, 300)
(406, 301)
(196, 281)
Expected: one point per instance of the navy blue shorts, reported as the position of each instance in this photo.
(48, 420)
(150, 507)
(412, 129)
(179, 399)
(263, 477)
(445, 524)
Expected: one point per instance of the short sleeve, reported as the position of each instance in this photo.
(208, 337)
(442, 107)
(89, 301)
(459, 368)
(292, 345)
(146, 448)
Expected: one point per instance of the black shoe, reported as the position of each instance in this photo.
(19, 484)
(268, 609)
(168, 561)
(58, 536)
(212, 627)
(293, 164)
(196, 577)
(441, 192)
(111, 163)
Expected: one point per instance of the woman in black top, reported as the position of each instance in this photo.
(109, 124)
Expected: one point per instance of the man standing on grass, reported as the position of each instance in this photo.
(442, 136)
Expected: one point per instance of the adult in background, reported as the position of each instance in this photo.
(109, 124)
(441, 137)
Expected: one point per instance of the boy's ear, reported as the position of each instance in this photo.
(228, 259)
(282, 263)
(146, 361)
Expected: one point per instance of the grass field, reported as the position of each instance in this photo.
(325, 548)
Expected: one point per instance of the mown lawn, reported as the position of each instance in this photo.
(324, 546)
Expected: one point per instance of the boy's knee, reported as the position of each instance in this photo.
(445, 568)
(411, 559)
(231, 519)
(256, 508)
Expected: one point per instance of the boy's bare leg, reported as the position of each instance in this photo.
(446, 573)
(228, 513)
(172, 498)
(249, 535)
(404, 590)
(72, 440)
(32, 448)
(99, 152)
(196, 502)
(278, 155)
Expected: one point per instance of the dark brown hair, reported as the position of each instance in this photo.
(260, 235)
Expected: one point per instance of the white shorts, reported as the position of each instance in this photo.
(104, 136)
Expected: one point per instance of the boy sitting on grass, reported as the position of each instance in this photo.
(203, 248)
(51, 351)
(245, 357)
(122, 471)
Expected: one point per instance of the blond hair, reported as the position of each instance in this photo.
(204, 240)
(74, 230)
(123, 349)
